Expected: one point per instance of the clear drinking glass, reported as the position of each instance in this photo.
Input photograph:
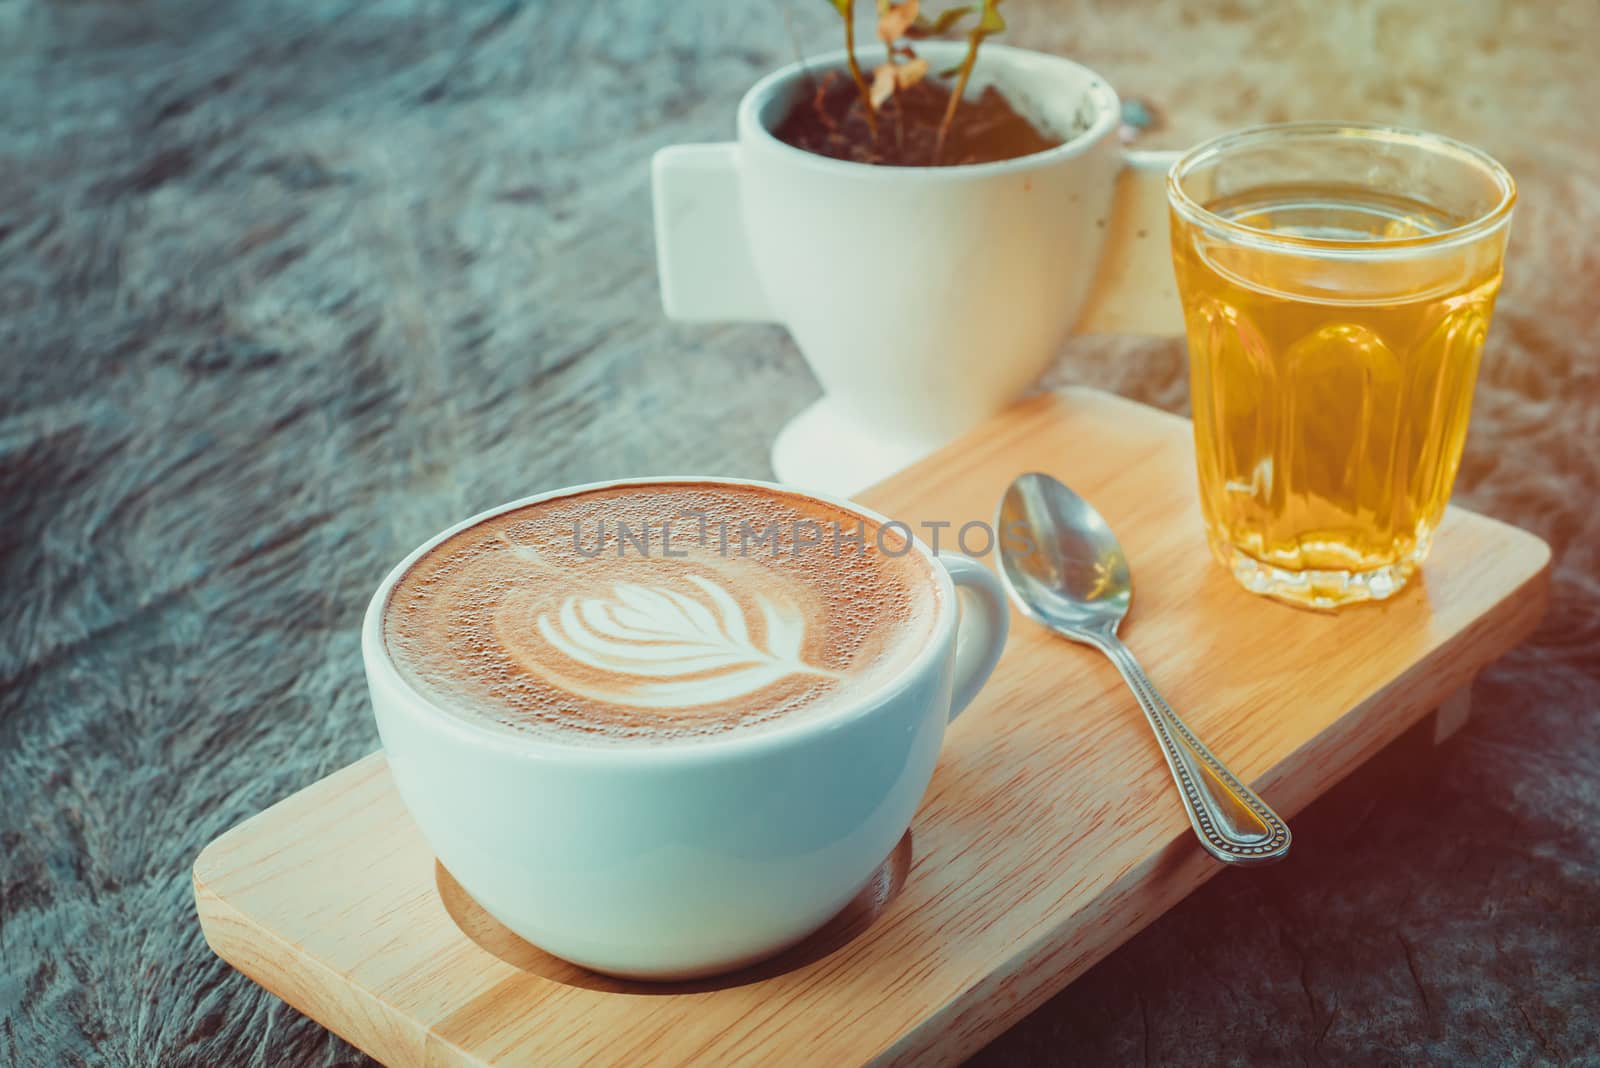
(1337, 282)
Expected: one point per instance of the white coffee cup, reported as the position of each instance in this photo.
(689, 857)
(924, 298)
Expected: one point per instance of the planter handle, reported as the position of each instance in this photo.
(1134, 289)
(702, 254)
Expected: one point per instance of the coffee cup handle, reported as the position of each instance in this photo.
(1134, 290)
(981, 632)
(702, 255)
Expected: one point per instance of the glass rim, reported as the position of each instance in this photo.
(1438, 144)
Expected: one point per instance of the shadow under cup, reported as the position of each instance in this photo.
(1337, 284)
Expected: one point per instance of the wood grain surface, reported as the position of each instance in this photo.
(1050, 834)
(287, 286)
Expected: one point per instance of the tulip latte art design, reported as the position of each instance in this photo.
(658, 648)
(521, 623)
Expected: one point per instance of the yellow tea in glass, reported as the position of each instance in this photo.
(1337, 283)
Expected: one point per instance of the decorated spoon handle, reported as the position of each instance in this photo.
(1233, 824)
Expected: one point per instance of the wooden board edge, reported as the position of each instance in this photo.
(298, 978)
(1096, 395)
(1531, 542)
(306, 984)
(959, 1029)
(963, 1026)
(209, 865)
(1417, 691)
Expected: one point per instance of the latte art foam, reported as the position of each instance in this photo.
(547, 619)
(658, 648)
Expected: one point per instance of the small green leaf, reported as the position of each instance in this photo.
(949, 18)
(926, 27)
(843, 6)
(990, 21)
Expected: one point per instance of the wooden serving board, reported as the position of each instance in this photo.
(1051, 832)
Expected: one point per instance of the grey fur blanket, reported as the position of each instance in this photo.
(287, 285)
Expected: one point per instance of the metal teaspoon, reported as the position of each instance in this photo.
(1072, 576)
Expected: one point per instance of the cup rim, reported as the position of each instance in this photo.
(376, 659)
(1196, 213)
(752, 131)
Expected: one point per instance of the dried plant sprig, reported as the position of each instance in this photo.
(847, 11)
(902, 68)
(989, 22)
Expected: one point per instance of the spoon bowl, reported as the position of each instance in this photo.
(1073, 574)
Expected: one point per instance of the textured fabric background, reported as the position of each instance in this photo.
(286, 287)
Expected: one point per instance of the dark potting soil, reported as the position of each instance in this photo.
(831, 121)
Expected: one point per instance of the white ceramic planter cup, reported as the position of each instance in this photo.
(924, 298)
(683, 858)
